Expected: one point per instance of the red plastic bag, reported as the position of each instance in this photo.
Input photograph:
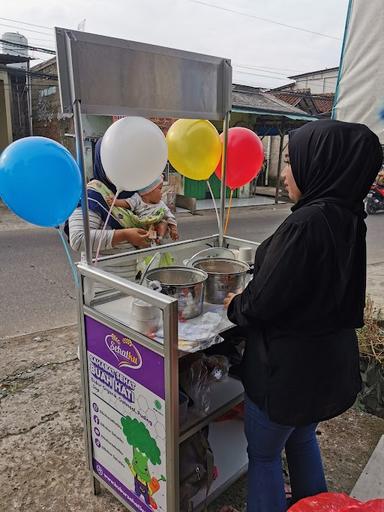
(369, 506)
(335, 502)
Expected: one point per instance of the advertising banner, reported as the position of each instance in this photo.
(127, 408)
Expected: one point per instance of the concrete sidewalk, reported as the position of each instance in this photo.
(42, 455)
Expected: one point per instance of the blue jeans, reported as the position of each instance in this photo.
(266, 441)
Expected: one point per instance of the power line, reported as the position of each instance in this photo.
(237, 66)
(271, 67)
(260, 75)
(38, 74)
(25, 29)
(29, 47)
(265, 68)
(25, 23)
(267, 20)
(34, 38)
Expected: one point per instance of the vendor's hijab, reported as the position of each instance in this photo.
(96, 200)
(334, 161)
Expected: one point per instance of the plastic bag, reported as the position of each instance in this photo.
(198, 376)
(335, 502)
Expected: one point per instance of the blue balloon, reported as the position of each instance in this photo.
(40, 181)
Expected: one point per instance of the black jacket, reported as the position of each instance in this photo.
(308, 293)
(302, 361)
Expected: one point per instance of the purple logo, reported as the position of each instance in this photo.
(125, 352)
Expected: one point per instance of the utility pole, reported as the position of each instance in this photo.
(29, 99)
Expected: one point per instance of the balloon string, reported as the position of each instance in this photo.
(69, 257)
(214, 204)
(105, 225)
(228, 212)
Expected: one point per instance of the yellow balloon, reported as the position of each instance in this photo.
(194, 148)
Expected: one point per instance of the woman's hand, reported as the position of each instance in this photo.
(135, 236)
(228, 299)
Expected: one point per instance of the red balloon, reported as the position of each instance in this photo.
(245, 156)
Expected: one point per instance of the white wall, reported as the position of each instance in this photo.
(318, 83)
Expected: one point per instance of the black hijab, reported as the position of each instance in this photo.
(96, 200)
(334, 161)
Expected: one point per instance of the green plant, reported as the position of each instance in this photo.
(371, 336)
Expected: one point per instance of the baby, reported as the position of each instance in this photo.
(146, 203)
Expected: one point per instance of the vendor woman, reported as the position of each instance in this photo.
(115, 238)
(300, 311)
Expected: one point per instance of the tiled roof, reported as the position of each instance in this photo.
(254, 98)
(291, 99)
(322, 103)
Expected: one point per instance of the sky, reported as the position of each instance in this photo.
(252, 33)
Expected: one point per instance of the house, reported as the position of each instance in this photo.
(312, 92)
(14, 118)
(323, 81)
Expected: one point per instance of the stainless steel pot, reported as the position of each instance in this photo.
(224, 276)
(185, 284)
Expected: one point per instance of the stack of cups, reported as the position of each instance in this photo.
(245, 254)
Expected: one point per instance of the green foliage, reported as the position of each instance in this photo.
(139, 438)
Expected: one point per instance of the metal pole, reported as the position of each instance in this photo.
(84, 195)
(79, 152)
(223, 178)
(171, 363)
(279, 166)
(29, 99)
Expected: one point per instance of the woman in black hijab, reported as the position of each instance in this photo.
(300, 311)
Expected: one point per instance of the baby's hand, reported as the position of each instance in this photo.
(173, 232)
(110, 200)
(161, 229)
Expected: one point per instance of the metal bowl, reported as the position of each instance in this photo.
(187, 285)
(224, 276)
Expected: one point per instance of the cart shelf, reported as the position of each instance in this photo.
(229, 446)
(225, 395)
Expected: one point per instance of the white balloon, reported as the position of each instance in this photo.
(133, 152)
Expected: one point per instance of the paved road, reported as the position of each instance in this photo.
(36, 288)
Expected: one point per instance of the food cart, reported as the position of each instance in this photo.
(130, 377)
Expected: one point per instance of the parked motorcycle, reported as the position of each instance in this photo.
(375, 199)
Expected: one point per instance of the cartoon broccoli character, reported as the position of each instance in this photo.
(144, 449)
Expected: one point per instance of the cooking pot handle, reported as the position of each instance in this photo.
(155, 259)
(188, 261)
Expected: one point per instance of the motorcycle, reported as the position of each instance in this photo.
(375, 199)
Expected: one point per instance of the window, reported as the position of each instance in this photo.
(48, 91)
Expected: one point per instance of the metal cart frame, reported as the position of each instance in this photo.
(80, 56)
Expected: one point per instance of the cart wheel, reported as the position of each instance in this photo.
(369, 208)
